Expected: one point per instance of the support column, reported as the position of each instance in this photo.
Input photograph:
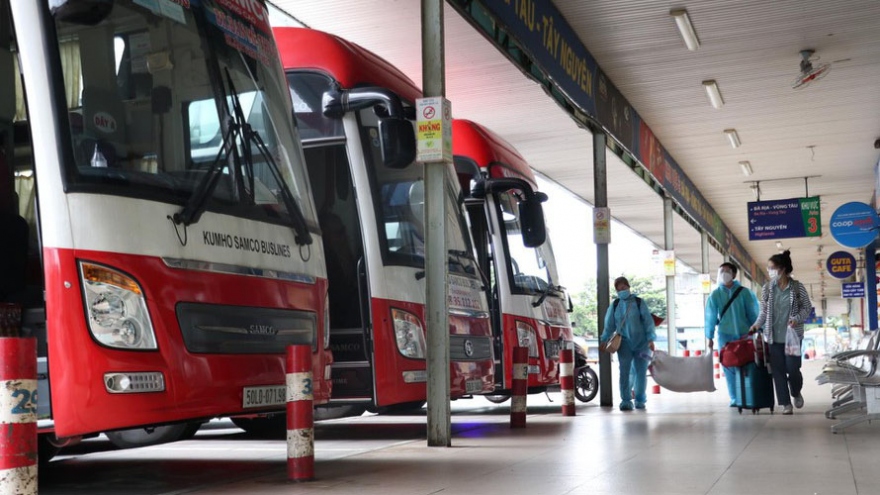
(436, 258)
(669, 245)
(871, 286)
(603, 291)
(825, 323)
(704, 248)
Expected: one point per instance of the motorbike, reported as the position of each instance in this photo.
(586, 383)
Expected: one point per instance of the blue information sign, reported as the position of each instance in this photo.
(785, 218)
(841, 264)
(854, 225)
(852, 290)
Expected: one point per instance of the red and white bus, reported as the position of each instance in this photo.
(370, 200)
(507, 224)
(165, 247)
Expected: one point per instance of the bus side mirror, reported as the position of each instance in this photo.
(531, 215)
(398, 142)
(82, 12)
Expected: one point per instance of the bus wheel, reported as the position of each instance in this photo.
(46, 448)
(335, 412)
(144, 437)
(271, 426)
(498, 398)
(586, 384)
(402, 408)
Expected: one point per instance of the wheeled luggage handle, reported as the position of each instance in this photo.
(762, 357)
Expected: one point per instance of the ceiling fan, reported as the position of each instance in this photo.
(809, 72)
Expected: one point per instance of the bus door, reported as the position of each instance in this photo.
(350, 336)
(482, 236)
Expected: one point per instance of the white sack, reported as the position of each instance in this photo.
(683, 374)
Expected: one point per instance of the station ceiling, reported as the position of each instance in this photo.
(751, 48)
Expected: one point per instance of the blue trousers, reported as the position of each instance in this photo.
(633, 375)
(729, 373)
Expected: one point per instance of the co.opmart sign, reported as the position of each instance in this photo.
(854, 225)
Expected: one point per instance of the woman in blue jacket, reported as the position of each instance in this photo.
(629, 316)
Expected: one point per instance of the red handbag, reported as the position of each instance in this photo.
(738, 353)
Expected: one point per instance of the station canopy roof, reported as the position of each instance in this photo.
(751, 48)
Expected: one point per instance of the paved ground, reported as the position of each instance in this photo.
(683, 444)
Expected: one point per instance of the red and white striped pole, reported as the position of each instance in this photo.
(566, 381)
(520, 387)
(18, 416)
(300, 417)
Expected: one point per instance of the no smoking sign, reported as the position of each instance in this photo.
(434, 130)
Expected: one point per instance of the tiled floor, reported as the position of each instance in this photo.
(683, 444)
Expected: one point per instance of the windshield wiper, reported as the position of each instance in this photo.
(457, 257)
(195, 205)
(546, 292)
(250, 135)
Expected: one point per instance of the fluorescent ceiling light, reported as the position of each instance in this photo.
(713, 93)
(683, 21)
(746, 168)
(733, 137)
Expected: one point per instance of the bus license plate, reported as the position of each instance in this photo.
(534, 369)
(272, 395)
(473, 386)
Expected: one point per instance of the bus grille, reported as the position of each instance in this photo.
(469, 348)
(218, 329)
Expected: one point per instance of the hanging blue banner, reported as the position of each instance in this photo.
(540, 28)
(784, 218)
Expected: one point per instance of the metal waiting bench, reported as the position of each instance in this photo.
(856, 381)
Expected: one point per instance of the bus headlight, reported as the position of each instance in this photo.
(527, 337)
(326, 321)
(116, 308)
(409, 334)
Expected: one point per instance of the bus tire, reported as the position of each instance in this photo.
(144, 437)
(497, 398)
(335, 412)
(402, 408)
(46, 448)
(270, 426)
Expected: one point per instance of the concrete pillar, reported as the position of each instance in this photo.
(603, 291)
(669, 245)
(436, 256)
(704, 249)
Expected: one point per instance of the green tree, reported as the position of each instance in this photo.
(584, 315)
(654, 297)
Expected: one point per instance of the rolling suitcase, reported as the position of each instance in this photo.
(755, 389)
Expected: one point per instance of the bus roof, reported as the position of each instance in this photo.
(489, 150)
(350, 64)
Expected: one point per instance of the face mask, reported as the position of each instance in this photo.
(774, 274)
(725, 278)
(623, 294)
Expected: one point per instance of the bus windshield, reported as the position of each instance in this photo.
(533, 269)
(399, 198)
(133, 135)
